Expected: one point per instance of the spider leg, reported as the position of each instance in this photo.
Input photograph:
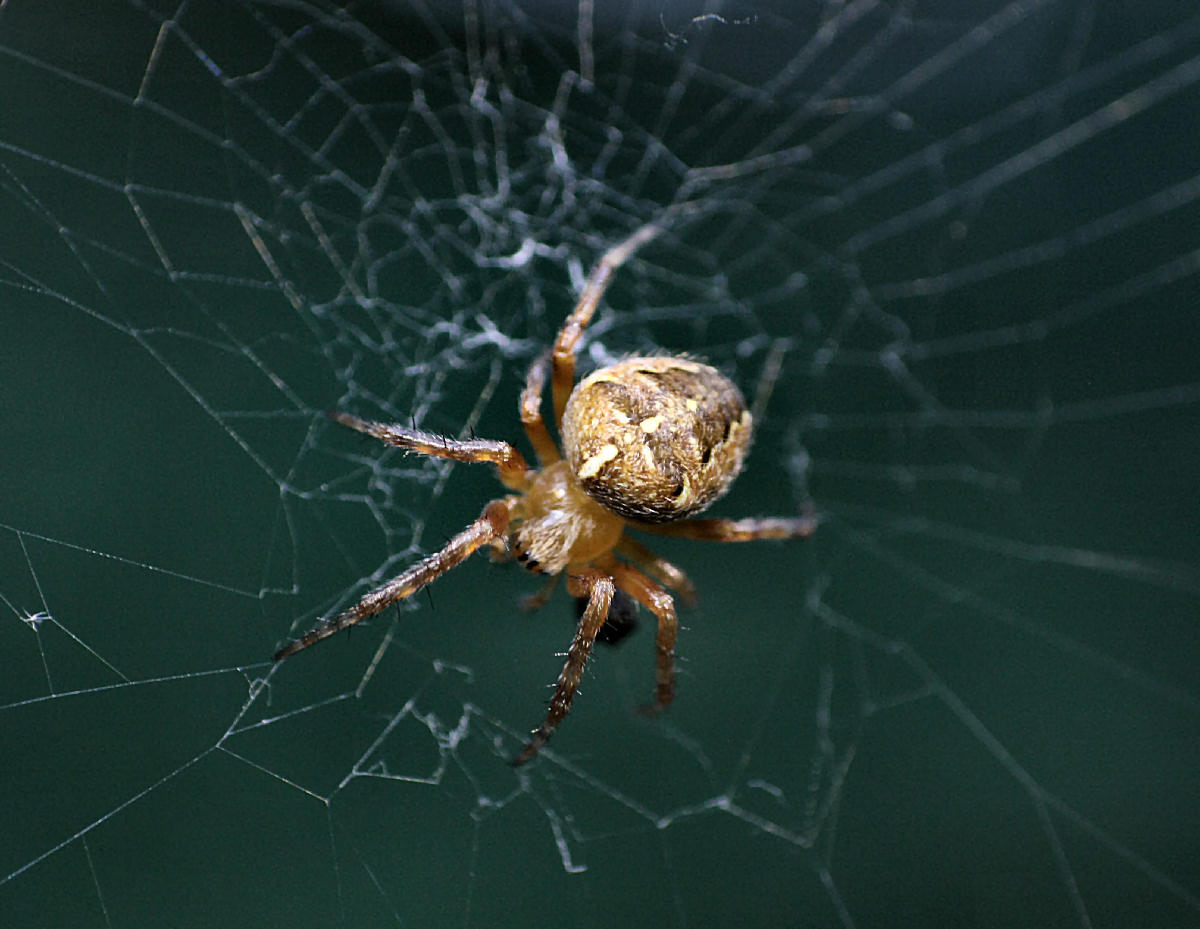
(491, 525)
(737, 530)
(648, 593)
(599, 588)
(539, 598)
(563, 375)
(622, 619)
(657, 567)
(510, 463)
(531, 412)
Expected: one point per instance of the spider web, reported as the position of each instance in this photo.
(967, 235)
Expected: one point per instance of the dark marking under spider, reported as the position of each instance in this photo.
(622, 619)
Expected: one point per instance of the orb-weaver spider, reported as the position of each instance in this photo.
(646, 443)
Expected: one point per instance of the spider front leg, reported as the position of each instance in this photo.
(489, 527)
(598, 587)
(531, 412)
(563, 377)
(510, 463)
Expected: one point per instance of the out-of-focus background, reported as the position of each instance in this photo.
(968, 232)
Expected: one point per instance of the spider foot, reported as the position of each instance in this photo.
(540, 737)
(538, 599)
(651, 710)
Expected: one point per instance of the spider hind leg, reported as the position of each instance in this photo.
(662, 605)
(599, 587)
(622, 618)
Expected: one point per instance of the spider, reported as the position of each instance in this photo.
(646, 443)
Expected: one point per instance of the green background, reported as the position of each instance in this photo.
(969, 700)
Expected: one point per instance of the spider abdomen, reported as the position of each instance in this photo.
(656, 439)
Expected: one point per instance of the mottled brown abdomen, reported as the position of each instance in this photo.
(656, 439)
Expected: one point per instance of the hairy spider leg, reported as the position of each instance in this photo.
(531, 412)
(510, 464)
(563, 374)
(598, 587)
(490, 526)
(657, 567)
(737, 530)
(659, 602)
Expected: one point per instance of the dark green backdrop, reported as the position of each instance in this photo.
(970, 700)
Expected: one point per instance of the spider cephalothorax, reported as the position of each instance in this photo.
(646, 443)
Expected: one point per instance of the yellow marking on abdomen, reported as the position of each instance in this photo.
(592, 466)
